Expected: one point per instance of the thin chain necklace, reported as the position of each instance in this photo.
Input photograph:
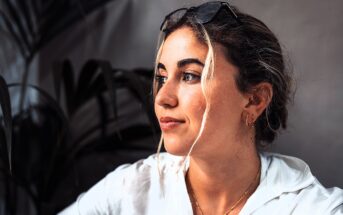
(197, 205)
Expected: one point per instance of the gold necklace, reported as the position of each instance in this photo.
(197, 205)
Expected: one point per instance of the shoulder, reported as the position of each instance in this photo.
(143, 171)
(291, 185)
(127, 189)
(321, 198)
(292, 173)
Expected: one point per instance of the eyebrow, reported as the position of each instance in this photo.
(161, 66)
(187, 61)
(182, 63)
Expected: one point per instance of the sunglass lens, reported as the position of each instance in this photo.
(173, 18)
(207, 11)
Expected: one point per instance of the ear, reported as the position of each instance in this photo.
(258, 99)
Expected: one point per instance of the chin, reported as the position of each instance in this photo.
(176, 148)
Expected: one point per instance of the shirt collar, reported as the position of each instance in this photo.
(279, 174)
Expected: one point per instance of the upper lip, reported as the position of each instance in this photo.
(167, 119)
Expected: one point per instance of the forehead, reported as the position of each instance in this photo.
(181, 44)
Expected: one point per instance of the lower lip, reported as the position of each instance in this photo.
(166, 126)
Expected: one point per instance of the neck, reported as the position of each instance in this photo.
(218, 183)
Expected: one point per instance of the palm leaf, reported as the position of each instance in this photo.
(20, 18)
(44, 140)
(28, 23)
(15, 15)
(87, 76)
(36, 22)
(109, 81)
(16, 37)
(63, 73)
(141, 93)
(5, 103)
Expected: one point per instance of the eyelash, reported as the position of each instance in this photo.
(161, 79)
(192, 75)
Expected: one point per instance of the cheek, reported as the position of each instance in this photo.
(226, 107)
(196, 109)
(155, 107)
(158, 109)
(194, 105)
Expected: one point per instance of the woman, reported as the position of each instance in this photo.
(221, 91)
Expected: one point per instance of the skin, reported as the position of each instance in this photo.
(225, 148)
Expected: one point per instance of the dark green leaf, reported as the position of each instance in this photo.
(63, 73)
(107, 72)
(14, 34)
(14, 15)
(5, 103)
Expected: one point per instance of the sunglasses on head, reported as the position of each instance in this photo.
(203, 13)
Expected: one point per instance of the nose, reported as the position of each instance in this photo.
(167, 95)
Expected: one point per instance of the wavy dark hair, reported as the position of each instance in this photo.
(252, 47)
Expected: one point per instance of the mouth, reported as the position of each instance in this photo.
(169, 123)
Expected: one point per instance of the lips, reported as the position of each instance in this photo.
(169, 123)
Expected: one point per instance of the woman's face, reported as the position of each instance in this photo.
(180, 103)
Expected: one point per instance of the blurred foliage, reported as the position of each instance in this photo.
(54, 147)
(46, 148)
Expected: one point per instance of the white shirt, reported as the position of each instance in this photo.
(286, 187)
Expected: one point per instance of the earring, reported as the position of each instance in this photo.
(249, 120)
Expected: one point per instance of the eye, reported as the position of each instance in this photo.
(160, 79)
(190, 77)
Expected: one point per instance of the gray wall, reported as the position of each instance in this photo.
(311, 32)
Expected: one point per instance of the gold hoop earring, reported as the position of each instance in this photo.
(250, 121)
